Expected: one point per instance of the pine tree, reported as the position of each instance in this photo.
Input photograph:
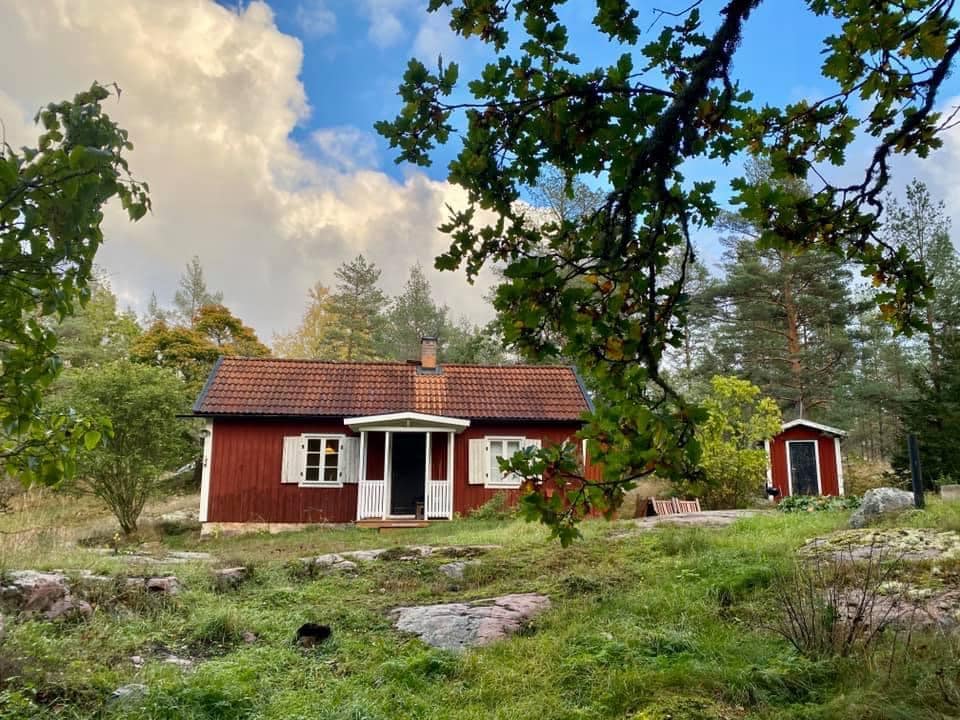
(193, 293)
(782, 322)
(413, 315)
(922, 226)
(358, 304)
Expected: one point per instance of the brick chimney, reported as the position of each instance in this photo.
(428, 353)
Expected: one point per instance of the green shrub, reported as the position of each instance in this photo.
(816, 503)
(496, 508)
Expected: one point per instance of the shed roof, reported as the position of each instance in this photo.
(801, 422)
(271, 387)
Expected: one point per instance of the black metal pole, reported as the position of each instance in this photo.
(916, 475)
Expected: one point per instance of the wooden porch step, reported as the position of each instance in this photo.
(392, 524)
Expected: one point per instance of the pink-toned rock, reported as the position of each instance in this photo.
(457, 626)
(68, 608)
(168, 585)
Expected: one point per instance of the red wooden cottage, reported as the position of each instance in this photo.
(804, 459)
(301, 441)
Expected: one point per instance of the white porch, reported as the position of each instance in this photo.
(394, 482)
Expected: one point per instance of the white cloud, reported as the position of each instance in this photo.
(210, 98)
(315, 18)
(346, 147)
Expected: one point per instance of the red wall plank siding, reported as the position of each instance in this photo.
(375, 447)
(466, 497)
(245, 475)
(828, 459)
(247, 457)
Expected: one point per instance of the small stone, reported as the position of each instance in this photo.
(129, 693)
(333, 561)
(168, 585)
(249, 638)
(188, 556)
(230, 578)
(182, 663)
(137, 661)
(43, 597)
(68, 608)
(455, 570)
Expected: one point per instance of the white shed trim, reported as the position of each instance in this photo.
(836, 452)
(800, 422)
(205, 470)
(816, 455)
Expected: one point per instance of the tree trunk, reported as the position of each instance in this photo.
(793, 343)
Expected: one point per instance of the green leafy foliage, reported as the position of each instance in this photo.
(128, 464)
(817, 503)
(593, 289)
(192, 351)
(51, 208)
(733, 462)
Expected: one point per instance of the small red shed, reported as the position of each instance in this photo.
(804, 459)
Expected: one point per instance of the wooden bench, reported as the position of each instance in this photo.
(674, 506)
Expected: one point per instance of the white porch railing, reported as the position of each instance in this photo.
(439, 499)
(371, 499)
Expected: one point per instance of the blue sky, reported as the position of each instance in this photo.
(351, 73)
(253, 125)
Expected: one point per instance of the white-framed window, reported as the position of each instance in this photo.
(322, 459)
(484, 455)
(502, 447)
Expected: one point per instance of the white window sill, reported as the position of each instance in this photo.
(320, 485)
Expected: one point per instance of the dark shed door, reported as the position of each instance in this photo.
(803, 467)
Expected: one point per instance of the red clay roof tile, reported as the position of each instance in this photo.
(264, 386)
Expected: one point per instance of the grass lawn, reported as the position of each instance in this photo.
(658, 625)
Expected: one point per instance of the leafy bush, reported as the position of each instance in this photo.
(816, 503)
(496, 508)
(733, 462)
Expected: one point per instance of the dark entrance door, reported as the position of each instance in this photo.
(803, 467)
(407, 461)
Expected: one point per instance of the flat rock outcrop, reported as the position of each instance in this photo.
(346, 561)
(458, 626)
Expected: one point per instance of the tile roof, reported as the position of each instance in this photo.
(265, 386)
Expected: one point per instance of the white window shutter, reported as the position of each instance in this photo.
(292, 464)
(350, 460)
(479, 453)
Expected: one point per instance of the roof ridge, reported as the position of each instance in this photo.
(400, 363)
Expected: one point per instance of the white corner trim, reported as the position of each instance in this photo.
(766, 447)
(816, 426)
(816, 455)
(836, 451)
(205, 470)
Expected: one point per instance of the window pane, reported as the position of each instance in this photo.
(333, 445)
(496, 451)
(312, 474)
(330, 475)
(313, 459)
(513, 447)
(314, 445)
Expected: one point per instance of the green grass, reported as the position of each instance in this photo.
(651, 626)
